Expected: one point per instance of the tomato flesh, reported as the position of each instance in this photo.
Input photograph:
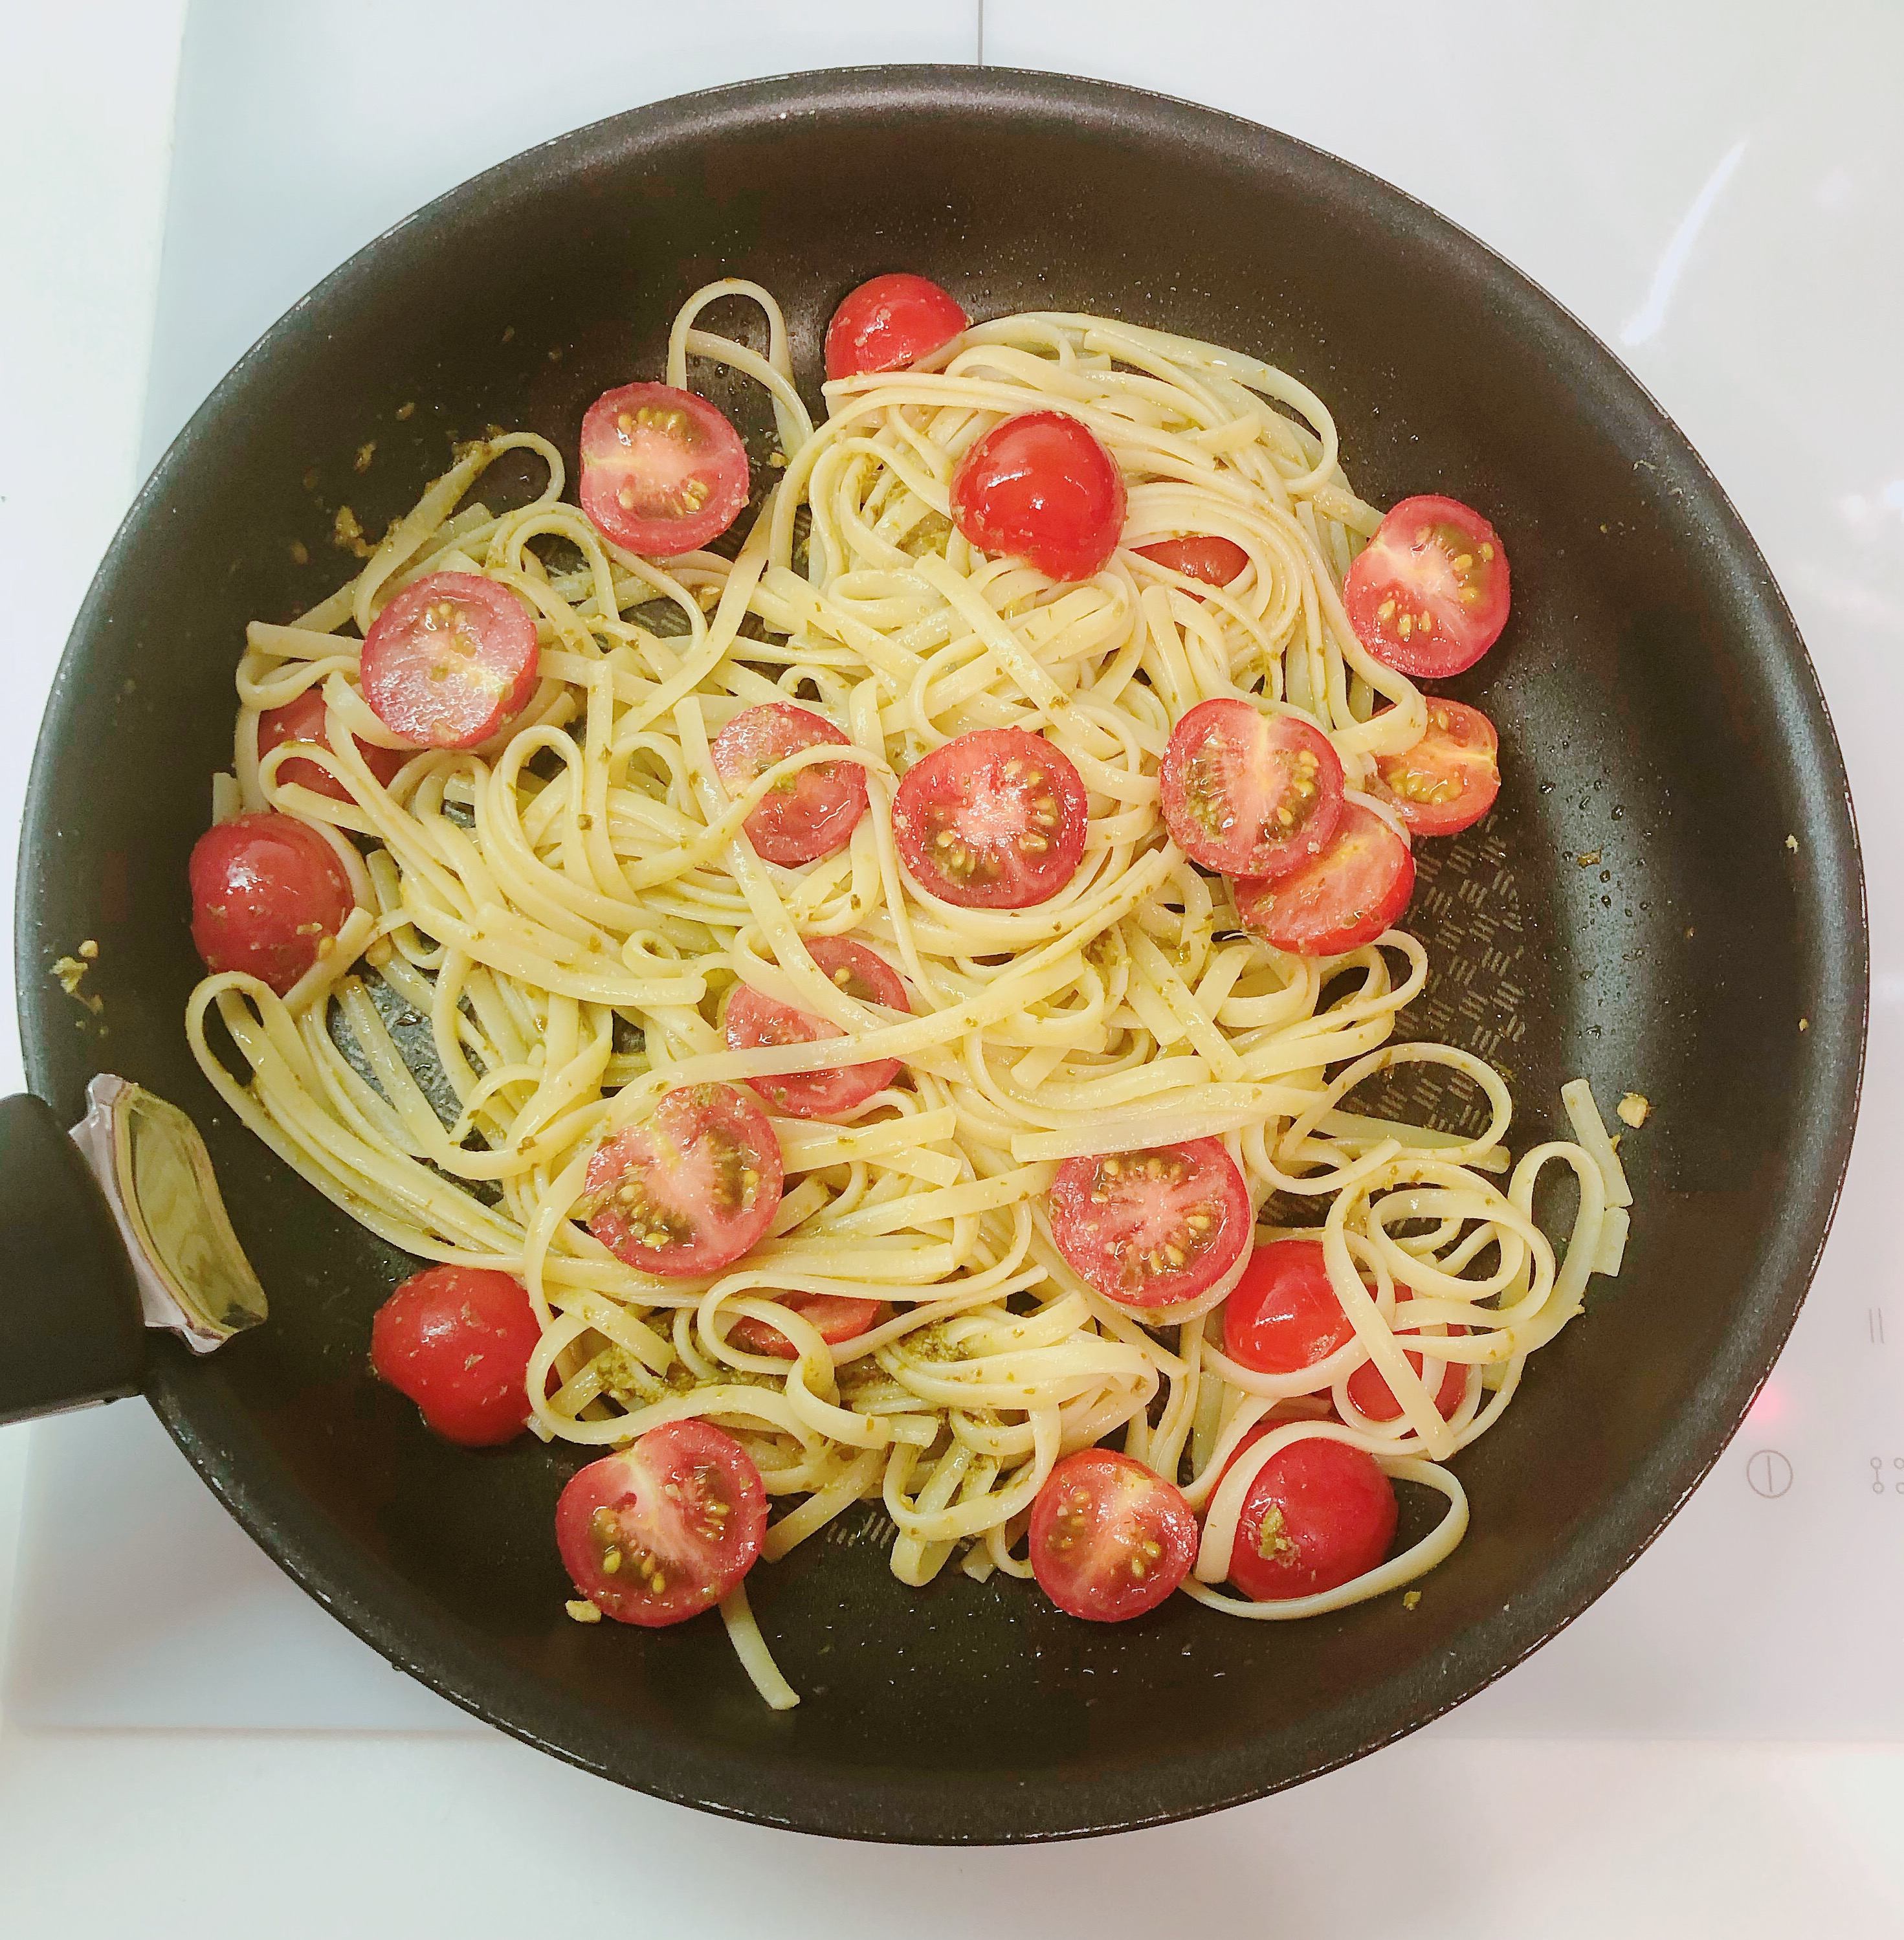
(1339, 900)
(1368, 1388)
(1428, 594)
(838, 1317)
(992, 820)
(1448, 780)
(1109, 1539)
(663, 472)
(303, 719)
(449, 660)
(664, 1530)
(457, 1340)
(1042, 488)
(803, 816)
(690, 1189)
(1249, 793)
(753, 1020)
(889, 322)
(1203, 556)
(268, 896)
(1283, 1315)
(1152, 1228)
(1318, 1515)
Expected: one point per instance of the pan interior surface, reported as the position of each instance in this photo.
(1632, 912)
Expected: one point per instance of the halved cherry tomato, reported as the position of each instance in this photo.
(1283, 1315)
(807, 815)
(1428, 594)
(663, 1530)
(1346, 896)
(691, 1188)
(892, 320)
(1152, 1228)
(993, 820)
(1249, 793)
(663, 472)
(1449, 779)
(1368, 1388)
(268, 896)
(753, 1020)
(839, 1318)
(1203, 556)
(1317, 1515)
(1041, 488)
(1109, 1538)
(449, 660)
(457, 1340)
(303, 719)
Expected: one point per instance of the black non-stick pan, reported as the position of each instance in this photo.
(1667, 899)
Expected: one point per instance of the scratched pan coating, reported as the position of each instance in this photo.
(1657, 712)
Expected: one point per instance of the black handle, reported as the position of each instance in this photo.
(70, 1329)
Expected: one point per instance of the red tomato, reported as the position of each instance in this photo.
(449, 660)
(753, 1020)
(892, 320)
(1152, 1228)
(1449, 779)
(802, 819)
(663, 1530)
(1428, 594)
(662, 471)
(1203, 556)
(1109, 1539)
(1319, 1514)
(1346, 896)
(1249, 793)
(993, 820)
(1368, 1388)
(1042, 488)
(269, 895)
(303, 720)
(457, 1340)
(839, 1318)
(1283, 1315)
(691, 1188)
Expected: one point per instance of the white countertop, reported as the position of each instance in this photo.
(1719, 1746)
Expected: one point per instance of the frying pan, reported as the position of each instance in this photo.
(1632, 911)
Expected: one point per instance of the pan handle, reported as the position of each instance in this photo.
(71, 1331)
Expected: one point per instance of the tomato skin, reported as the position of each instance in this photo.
(1229, 774)
(1370, 1391)
(1109, 1539)
(1448, 780)
(838, 1317)
(1413, 568)
(1042, 488)
(683, 1507)
(663, 472)
(812, 816)
(1016, 809)
(268, 895)
(753, 1019)
(303, 719)
(449, 660)
(691, 1188)
(1331, 1514)
(1283, 1315)
(457, 1341)
(1200, 556)
(1346, 896)
(1113, 1215)
(889, 322)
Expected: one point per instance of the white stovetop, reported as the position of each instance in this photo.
(1720, 1743)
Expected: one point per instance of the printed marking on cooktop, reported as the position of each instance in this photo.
(1769, 1473)
(1877, 1474)
(1876, 1322)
